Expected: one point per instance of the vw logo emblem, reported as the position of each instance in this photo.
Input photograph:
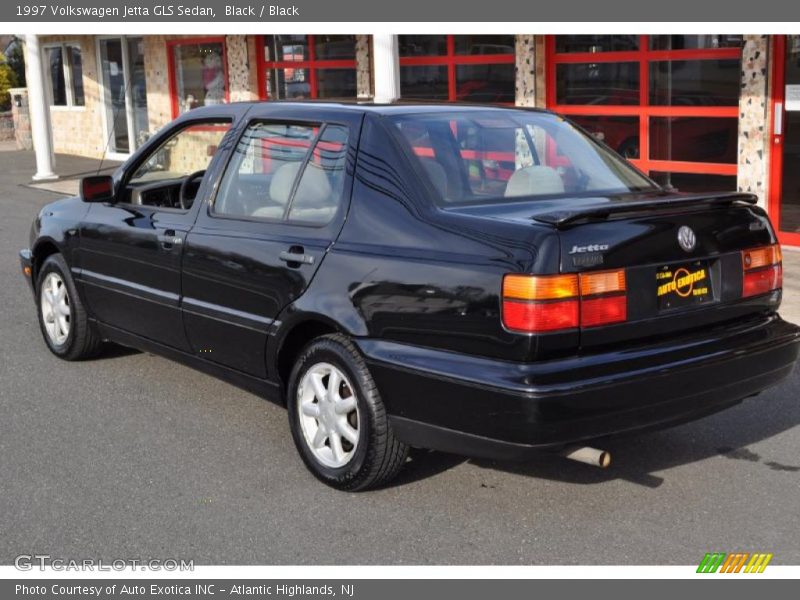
(687, 238)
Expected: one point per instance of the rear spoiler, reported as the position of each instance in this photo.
(562, 218)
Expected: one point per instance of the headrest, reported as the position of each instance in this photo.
(534, 180)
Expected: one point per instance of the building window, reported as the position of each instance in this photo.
(668, 103)
(469, 68)
(307, 66)
(198, 73)
(65, 74)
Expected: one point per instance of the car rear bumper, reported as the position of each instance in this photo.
(491, 408)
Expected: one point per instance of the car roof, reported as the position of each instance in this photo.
(399, 108)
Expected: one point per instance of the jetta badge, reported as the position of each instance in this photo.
(686, 238)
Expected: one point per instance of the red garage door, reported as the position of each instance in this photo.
(669, 103)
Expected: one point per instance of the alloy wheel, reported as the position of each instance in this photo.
(328, 414)
(56, 311)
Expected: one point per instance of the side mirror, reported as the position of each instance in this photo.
(97, 188)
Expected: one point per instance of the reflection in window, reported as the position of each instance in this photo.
(621, 134)
(422, 45)
(695, 82)
(64, 65)
(598, 83)
(694, 139)
(597, 43)
(485, 83)
(484, 44)
(309, 66)
(319, 191)
(200, 77)
(261, 174)
(425, 71)
(424, 82)
(694, 42)
(695, 182)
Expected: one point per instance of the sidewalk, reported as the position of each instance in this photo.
(790, 309)
(18, 166)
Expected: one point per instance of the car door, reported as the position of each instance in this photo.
(130, 250)
(278, 207)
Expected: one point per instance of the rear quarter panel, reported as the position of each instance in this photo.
(404, 270)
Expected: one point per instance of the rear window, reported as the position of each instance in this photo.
(476, 156)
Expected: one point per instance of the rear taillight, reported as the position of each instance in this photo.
(762, 270)
(546, 303)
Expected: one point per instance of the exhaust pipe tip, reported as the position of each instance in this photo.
(587, 455)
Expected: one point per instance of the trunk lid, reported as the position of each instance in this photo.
(640, 234)
(682, 256)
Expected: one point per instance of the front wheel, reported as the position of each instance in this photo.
(63, 320)
(338, 420)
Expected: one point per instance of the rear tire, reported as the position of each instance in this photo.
(63, 320)
(338, 420)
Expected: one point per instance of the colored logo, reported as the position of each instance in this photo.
(738, 562)
(686, 238)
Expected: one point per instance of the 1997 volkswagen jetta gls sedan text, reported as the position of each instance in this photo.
(484, 281)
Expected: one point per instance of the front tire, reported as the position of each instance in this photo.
(338, 420)
(65, 325)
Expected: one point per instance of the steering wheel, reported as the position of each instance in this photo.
(185, 186)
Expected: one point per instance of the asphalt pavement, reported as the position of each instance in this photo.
(134, 456)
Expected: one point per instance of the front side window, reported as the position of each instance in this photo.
(285, 172)
(185, 152)
(199, 75)
(477, 156)
(64, 65)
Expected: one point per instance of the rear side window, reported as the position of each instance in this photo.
(285, 172)
(477, 156)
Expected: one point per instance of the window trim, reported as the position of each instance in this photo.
(172, 73)
(644, 110)
(285, 221)
(68, 76)
(313, 65)
(452, 60)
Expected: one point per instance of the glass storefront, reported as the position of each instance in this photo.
(466, 68)
(785, 139)
(308, 66)
(199, 73)
(668, 103)
(64, 64)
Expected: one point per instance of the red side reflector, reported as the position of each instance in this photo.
(762, 281)
(604, 310)
(537, 317)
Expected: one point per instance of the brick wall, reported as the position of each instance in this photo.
(6, 126)
(79, 129)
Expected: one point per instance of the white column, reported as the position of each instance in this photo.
(386, 61)
(39, 110)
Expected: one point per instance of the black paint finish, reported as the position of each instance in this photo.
(418, 287)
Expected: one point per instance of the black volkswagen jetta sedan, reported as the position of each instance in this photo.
(484, 281)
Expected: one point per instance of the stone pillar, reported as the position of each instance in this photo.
(240, 87)
(386, 58)
(39, 111)
(753, 147)
(363, 70)
(525, 84)
(21, 117)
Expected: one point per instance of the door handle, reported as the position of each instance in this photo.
(296, 256)
(169, 239)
